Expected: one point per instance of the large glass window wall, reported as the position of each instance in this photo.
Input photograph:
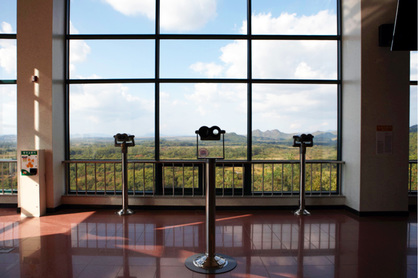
(8, 113)
(261, 70)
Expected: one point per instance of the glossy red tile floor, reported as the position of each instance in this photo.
(265, 243)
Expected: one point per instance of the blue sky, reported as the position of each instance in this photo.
(185, 107)
(221, 104)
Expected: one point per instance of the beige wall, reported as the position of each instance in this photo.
(40, 113)
(376, 92)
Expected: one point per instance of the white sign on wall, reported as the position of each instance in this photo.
(384, 139)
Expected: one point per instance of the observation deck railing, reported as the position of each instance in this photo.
(184, 178)
(8, 177)
(412, 178)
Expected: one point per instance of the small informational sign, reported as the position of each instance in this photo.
(384, 139)
(29, 163)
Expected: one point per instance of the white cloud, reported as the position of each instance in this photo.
(6, 28)
(207, 69)
(110, 108)
(8, 56)
(321, 23)
(290, 108)
(8, 111)
(7, 51)
(232, 55)
(79, 50)
(414, 65)
(290, 59)
(282, 59)
(305, 71)
(186, 15)
(134, 7)
(186, 107)
(285, 107)
(179, 15)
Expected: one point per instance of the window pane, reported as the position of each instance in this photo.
(7, 59)
(112, 17)
(203, 17)
(413, 119)
(99, 111)
(280, 111)
(295, 59)
(8, 121)
(8, 16)
(414, 65)
(187, 107)
(203, 59)
(296, 17)
(112, 59)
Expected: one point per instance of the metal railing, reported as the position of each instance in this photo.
(8, 177)
(412, 178)
(182, 177)
(185, 178)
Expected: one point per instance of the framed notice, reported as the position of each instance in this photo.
(384, 139)
(29, 163)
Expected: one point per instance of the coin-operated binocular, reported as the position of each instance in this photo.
(124, 141)
(212, 142)
(211, 148)
(302, 141)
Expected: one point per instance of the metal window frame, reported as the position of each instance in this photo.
(249, 81)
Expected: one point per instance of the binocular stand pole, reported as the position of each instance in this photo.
(302, 210)
(125, 210)
(210, 263)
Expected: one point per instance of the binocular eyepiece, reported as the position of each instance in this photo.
(121, 138)
(306, 139)
(212, 133)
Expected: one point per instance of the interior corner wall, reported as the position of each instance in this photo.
(351, 100)
(40, 104)
(375, 93)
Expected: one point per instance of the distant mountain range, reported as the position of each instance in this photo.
(8, 138)
(268, 136)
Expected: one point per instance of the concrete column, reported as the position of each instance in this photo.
(40, 104)
(375, 93)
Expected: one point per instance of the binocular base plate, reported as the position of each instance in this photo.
(201, 263)
(302, 212)
(125, 212)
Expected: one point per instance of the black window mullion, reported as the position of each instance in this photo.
(340, 93)
(67, 87)
(247, 166)
(159, 168)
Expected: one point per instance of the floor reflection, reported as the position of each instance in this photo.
(265, 243)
